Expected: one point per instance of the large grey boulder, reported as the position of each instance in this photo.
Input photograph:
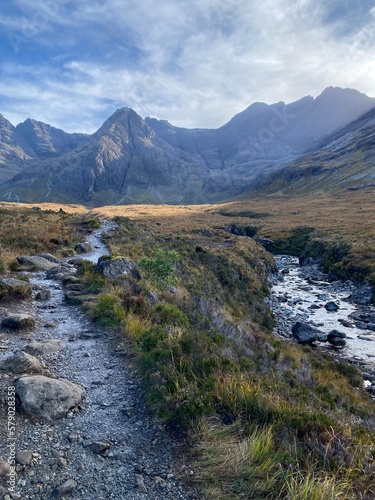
(18, 321)
(21, 362)
(10, 287)
(46, 397)
(305, 333)
(117, 268)
(36, 262)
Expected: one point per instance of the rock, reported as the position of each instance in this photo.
(10, 287)
(50, 257)
(117, 268)
(24, 457)
(336, 334)
(371, 389)
(35, 262)
(304, 333)
(18, 321)
(64, 488)
(101, 447)
(61, 461)
(363, 295)
(141, 483)
(207, 232)
(83, 247)
(346, 323)
(44, 294)
(4, 469)
(331, 306)
(281, 298)
(47, 347)
(46, 397)
(336, 338)
(59, 272)
(22, 362)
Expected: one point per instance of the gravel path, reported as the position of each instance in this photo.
(113, 447)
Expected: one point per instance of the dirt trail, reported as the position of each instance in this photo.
(138, 464)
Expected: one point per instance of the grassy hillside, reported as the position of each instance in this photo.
(265, 418)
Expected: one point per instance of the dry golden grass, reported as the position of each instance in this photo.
(350, 214)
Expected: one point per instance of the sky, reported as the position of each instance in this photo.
(195, 63)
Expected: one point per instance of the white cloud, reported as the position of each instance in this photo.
(195, 63)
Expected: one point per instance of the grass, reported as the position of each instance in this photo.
(266, 418)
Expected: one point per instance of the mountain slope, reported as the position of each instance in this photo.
(131, 160)
(344, 160)
(47, 141)
(123, 162)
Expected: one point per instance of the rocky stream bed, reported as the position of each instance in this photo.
(98, 440)
(314, 309)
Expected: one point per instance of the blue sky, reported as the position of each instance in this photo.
(196, 63)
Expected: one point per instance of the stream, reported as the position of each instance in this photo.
(301, 294)
(138, 463)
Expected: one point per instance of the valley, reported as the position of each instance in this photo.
(258, 415)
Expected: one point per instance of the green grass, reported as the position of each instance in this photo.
(266, 418)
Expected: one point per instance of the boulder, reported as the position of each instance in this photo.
(331, 306)
(10, 287)
(43, 294)
(117, 268)
(64, 488)
(363, 295)
(83, 247)
(305, 333)
(42, 348)
(336, 338)
(50, 257)
(35, 262)
(46, 397)
(336, 334)
(21, 362)
(60, 271)
(18, 321)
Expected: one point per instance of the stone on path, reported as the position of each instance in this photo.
(18, 321)
(64, 488)
(50, 257)
(44, 294)
(46, 397)
(39, 263)
(47, 347)
(24, 457)
(10, 287)
(22, 362)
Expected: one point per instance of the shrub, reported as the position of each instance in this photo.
(161, 269)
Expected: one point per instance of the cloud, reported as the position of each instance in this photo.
(195, 63)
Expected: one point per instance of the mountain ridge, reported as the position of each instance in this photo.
(134, 160)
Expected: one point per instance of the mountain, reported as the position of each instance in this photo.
(47, 141)
(135, 160)
(344, 160)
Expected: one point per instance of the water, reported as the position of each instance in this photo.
(306, 292)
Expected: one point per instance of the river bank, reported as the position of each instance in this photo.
(301, 294)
